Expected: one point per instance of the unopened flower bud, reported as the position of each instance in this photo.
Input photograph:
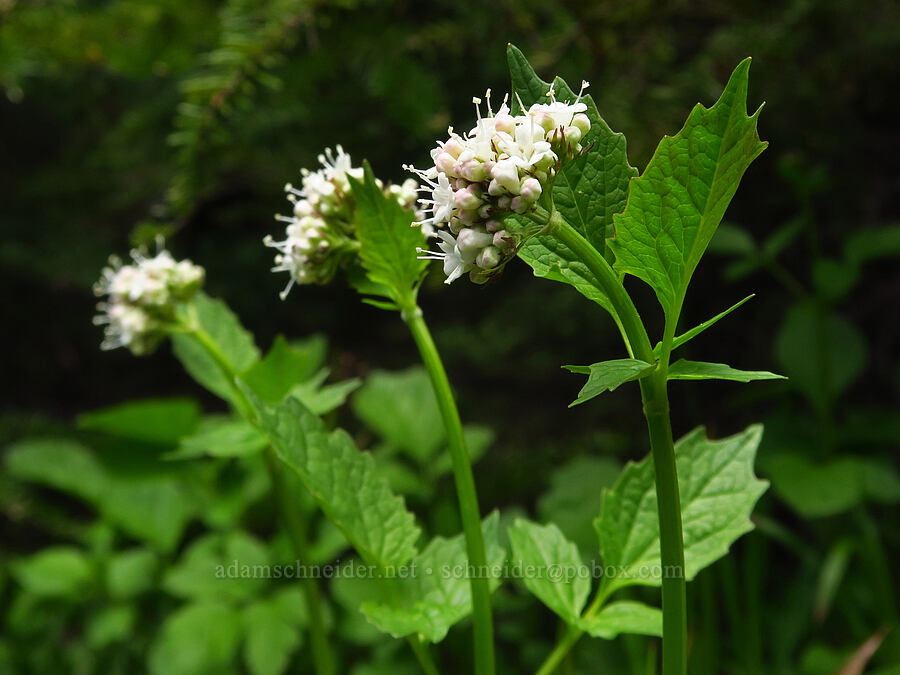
(572, 135)
(531, 190)
(469, 240)
(582, 122)
(467, 199)
(488, 258)
(503, 203)
(519, 205)
(493, 226)
(544, 121)
(503, 240)
(445, 162)
(453, 147)
(506, 173)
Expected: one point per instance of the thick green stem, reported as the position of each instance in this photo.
(289, 513)
(656, 410)
(465, 490)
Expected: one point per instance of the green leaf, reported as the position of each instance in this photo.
(323, 398)
(388, 241)
(155, 509)
(59, 572)
(343, 480)
(282, 368)
(575, 497)
(220, 437)
(586, 193)
(109, 625)
(820, 489)
(219, 567)
(696, 330)
(401, 408)
(551, 567)
(270, 640)
(718, 492)
(130, 573)
(608, 375)
(216, 319)
(162, 420)
(675, 206)
(865, 245)
(623, 617)
(702, 370)
(198, 638)
(58, 463)
(821, 352)
(437, 594)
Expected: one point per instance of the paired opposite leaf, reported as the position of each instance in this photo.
(608, 375)
(343, 480)
(438, 593)
(551, 567)
(696, 330)
(388, 241)
(586, 193)
(676, 205)
(701, 370)
(718, 492)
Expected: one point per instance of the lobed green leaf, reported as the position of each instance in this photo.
(675, 206)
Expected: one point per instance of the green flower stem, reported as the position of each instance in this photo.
(465, 489)
(656, 411)
(290, 514)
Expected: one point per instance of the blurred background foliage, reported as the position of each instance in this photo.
(124, 119)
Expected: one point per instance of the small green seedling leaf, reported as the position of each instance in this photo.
(675, 206)
(343, 480)
(388, 241)
(220, 437)
(624, 616)
(586, 193)
(718, 492)
(236, 343)
(162, 420)
(282, 368)
(551, 567)
(271, 638)
(401, 408)
(197, 638)
(608, 375)
(701, 370)
(438, 593)
(696, 330)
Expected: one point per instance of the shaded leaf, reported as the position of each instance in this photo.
(718, 492)
(623, 617)
(560, 580)
(162, 420)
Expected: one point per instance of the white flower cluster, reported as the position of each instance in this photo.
(500, 167)
(319, 235)
(142, 297)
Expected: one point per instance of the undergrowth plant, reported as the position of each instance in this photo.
(542, 178)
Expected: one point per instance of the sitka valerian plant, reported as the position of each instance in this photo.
(542, 177)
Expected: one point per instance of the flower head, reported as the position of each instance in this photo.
(501, 166)
(141, 298)
(320, 237)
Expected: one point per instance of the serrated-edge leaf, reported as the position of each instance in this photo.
(438, 595)
(675, 206)
(560, 579)
(608, 375)
(388, 241)
(343, 480)
(587, 192)
(703, 370)
(718, 493)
